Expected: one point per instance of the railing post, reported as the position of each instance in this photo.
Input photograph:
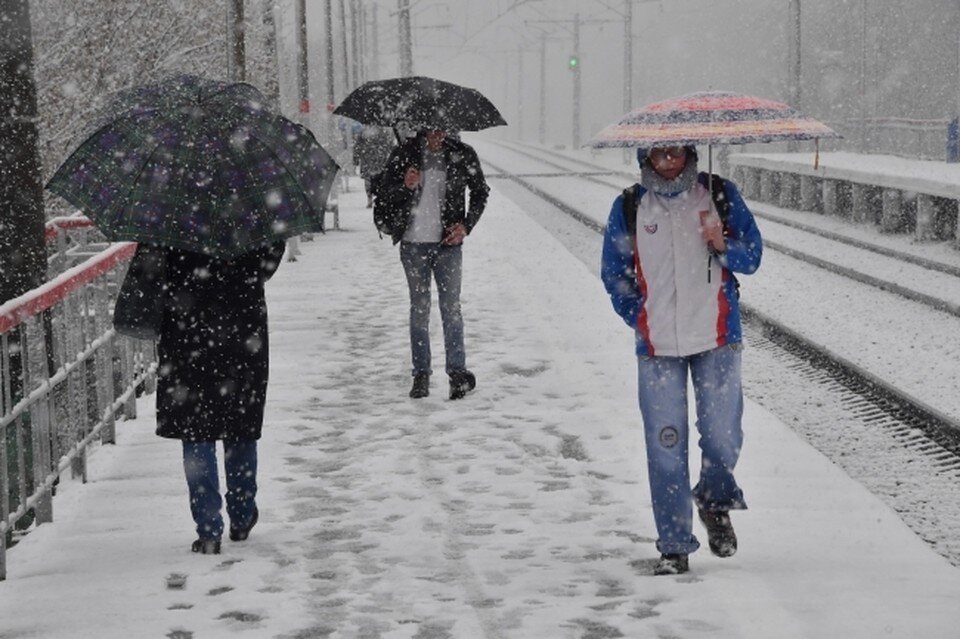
(809, 200)
(892, 215)
(859, 202)
(829, 188)
(926, 214)
(766, 186)
(751, 182)
(5, 399)
(150, 381)
(40, 417)
(128, 374)
(788, 190)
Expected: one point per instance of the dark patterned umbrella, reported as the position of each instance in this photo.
(199, 165)
(421, 103)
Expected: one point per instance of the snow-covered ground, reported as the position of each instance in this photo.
(520, 511)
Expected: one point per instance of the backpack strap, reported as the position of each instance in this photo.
(630, 204)
(717, 185)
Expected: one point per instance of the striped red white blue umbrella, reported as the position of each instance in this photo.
(710, 117)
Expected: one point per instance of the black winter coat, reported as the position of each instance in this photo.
(395, 201)
(213, 349)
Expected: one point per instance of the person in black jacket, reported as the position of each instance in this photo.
(421, 204)
(212, 380)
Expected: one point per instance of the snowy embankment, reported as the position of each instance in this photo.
(521, 511)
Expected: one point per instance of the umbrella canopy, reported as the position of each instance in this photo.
(421, 103)
(199, 165)
(710, 117)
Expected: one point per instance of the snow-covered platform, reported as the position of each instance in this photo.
(521, 511)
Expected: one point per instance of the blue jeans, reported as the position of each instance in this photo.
(240, 465)
(663, 404)
(421, 262)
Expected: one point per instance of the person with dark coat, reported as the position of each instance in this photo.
(421, 204)
(371, 150)
(212, 380)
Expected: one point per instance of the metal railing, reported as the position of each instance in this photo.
(65, 376)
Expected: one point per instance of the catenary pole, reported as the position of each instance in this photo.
(794, 61)
(576, 81)
(627, 55)
(236, 49)
(23, 258)
(355, 40)
(542, 131)
(303, 77)
(347, 83)
(406, 40)
(271, 81)
(520, 93)
(375, 41)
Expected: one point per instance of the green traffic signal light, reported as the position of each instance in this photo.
(573, 62)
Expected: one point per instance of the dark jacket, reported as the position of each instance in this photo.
(213, 349)
(395, 201)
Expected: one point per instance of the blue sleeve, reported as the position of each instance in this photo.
(617, 266)
(744, 244)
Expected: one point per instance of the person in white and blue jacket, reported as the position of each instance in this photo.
(669, 269)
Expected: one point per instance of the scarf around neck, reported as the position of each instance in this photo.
(653, 181)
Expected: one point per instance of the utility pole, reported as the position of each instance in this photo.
(863, 77)
(628, 55)
(520, 93)
(375, 37)
(542, 132)
(271, 81)
(576, 81)
(793, 72)
(23, 258)
(355, 29)
(347, 84)
(328, 50)
(302, 77)
(794, 58)
(236, 51)
(406, 41)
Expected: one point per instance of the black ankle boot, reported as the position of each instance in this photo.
(461, 383)
(206, 546)
(421, 385)
(241, 534)
(722, 539)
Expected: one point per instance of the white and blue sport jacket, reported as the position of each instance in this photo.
(679, 297)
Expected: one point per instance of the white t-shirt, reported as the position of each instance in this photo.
(425, 223)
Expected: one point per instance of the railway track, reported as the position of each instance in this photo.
(862, 422)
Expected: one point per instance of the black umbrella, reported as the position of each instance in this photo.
(199, 165)
(421, 103)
